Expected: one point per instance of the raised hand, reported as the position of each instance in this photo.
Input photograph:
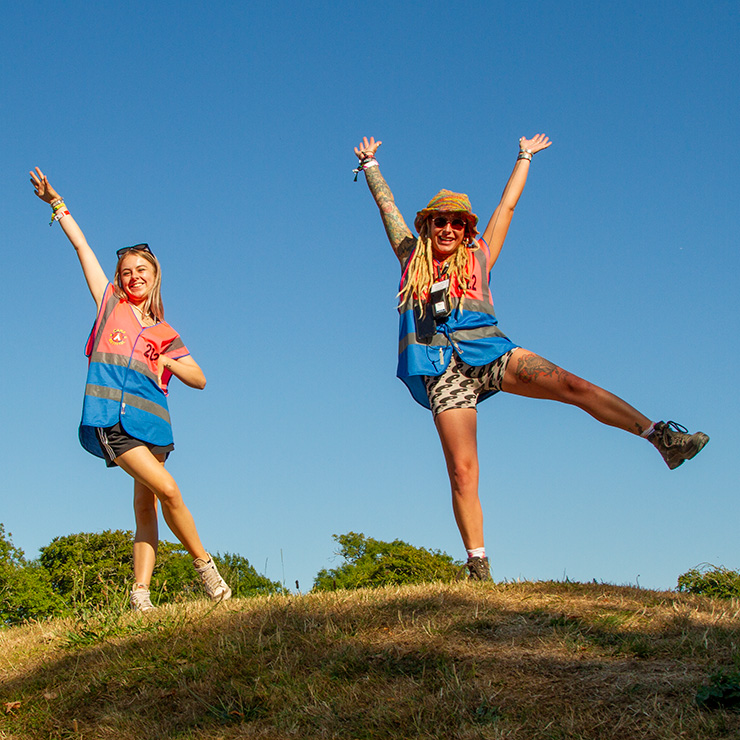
(367, 148)
(537, 143)
(41, 186)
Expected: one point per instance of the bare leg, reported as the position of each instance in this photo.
(528, 374)
(147, 470)
(146, 539)
(457, 431)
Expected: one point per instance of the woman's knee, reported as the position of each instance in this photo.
(577, 389)
(463, 472)
(169, 494)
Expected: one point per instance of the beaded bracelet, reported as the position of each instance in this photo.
(56, 202)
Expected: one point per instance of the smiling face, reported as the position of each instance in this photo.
(137, 277)
(447, 231)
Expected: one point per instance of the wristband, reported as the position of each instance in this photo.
(523, 154)
(58, 216)
(364, 165)
(56, 202)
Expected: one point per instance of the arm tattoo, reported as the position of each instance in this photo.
(399, 235)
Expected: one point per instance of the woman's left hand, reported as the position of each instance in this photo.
(42, 188)
(537, 143)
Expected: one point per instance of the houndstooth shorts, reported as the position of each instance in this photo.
(461, 385)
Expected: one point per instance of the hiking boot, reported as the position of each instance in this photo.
(478, 569)
(675, 443)
(140, 601)
(215, 586)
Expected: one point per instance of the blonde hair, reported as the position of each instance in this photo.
(420, 270)
(153, 304)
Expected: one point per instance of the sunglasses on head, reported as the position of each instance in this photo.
(135, 248)
(457, 223)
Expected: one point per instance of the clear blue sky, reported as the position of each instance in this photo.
(222, 134)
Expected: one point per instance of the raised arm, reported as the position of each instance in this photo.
(498, 226)
(399, 235)
(94, 275)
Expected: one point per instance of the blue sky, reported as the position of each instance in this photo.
(223, 136)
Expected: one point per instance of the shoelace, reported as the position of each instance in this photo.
(669, 429)
(212, 578)
(141, 599)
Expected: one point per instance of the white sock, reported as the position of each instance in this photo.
(477, 552)
(648, 431)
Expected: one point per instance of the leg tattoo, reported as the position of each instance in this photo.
(531, 368)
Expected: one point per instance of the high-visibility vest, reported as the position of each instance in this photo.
(425, 347)
(122, 375)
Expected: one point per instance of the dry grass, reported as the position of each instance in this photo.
(544, 661)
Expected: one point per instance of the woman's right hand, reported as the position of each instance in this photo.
(42, 188)
(367, 148)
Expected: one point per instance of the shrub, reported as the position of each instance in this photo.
(25, 587)
(372, 563)
(93, 569)
(711, 580)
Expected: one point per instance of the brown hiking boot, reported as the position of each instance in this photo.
(478, 569)
(675, 443)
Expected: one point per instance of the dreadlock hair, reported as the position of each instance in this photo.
(153, 304)
(420, 270)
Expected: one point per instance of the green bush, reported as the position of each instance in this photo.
(25, 587)
(371, 563)
(90, 567)
(711, 580)
(94, 569)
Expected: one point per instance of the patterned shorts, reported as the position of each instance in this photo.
(460, 386)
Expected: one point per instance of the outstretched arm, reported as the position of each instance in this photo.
(498, 226)
(399, 235)
(94, 275)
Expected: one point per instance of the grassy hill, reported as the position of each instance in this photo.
(522, 661)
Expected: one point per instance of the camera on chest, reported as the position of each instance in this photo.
(439, 299)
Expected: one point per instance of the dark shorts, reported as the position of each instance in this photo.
(461, 385)
(114, 442)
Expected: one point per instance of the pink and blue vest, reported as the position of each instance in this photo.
(122, 375)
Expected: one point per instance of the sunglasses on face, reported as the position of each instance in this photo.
(441, 221)
(135, 248)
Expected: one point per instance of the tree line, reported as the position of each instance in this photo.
(92, 570)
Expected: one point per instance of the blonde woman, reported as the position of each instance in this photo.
(452, 353)
(133, 354)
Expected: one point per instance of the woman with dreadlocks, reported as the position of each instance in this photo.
(133, 355)
(452, 353)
